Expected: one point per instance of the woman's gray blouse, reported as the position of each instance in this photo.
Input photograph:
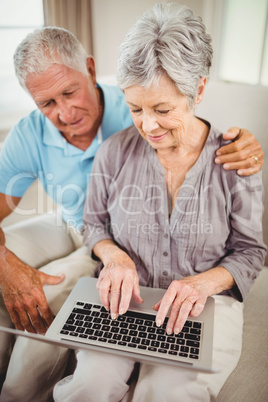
(217, 219)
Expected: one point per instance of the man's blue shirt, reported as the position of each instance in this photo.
(36, 149)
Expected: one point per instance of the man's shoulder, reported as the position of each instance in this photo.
(116, 112)
(30, 130)
(34, 122)
(114, 98)
(112, 91)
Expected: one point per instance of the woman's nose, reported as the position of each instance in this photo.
(149, 123)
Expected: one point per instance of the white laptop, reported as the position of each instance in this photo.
(83, 323)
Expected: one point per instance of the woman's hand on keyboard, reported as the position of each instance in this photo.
(188, 296)
(118, 279)
(183, 296)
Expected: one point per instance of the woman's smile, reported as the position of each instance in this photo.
(157, 138)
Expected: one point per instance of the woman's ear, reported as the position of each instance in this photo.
(200, 90)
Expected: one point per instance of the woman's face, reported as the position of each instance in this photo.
(160, 113)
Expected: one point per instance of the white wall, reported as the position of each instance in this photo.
(227, 104)
(113, 18)
(245, 106)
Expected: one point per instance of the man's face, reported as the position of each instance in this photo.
(67, 98)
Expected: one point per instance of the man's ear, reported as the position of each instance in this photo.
(91, 69)
(200, 90)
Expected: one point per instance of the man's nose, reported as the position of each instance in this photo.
(149, 123)
(65, 112)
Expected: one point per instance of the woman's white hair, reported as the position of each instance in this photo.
(169, 39)
(46, 46)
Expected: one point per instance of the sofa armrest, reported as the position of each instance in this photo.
(249, 381)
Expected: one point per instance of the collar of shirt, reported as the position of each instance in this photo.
(52, 137)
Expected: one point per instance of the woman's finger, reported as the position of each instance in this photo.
(165, 304)
(184, 311)
(115, 295)
(197, 309)
(103, 286)
(126, 294)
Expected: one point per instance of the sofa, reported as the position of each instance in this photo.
(225, 105)
(249, 381)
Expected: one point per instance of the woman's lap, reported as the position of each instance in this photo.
(98, 377)
(105, 376)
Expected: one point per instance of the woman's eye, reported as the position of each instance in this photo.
(162, 111)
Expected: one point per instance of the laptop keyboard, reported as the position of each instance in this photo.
(133, 330)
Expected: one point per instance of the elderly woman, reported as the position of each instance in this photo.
(164, 215)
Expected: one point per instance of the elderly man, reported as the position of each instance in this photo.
(41, 259)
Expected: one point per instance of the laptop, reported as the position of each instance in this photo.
(83, 323)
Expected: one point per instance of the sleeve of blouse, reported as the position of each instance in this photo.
(245, 247)
(96, 216)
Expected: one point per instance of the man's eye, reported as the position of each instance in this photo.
(47, 104)
(135, 110)
(69, 93)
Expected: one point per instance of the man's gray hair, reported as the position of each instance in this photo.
(46, 46)
(169, 39)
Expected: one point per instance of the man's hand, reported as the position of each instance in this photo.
(23, 294)
(243, 154)
(2, 236)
